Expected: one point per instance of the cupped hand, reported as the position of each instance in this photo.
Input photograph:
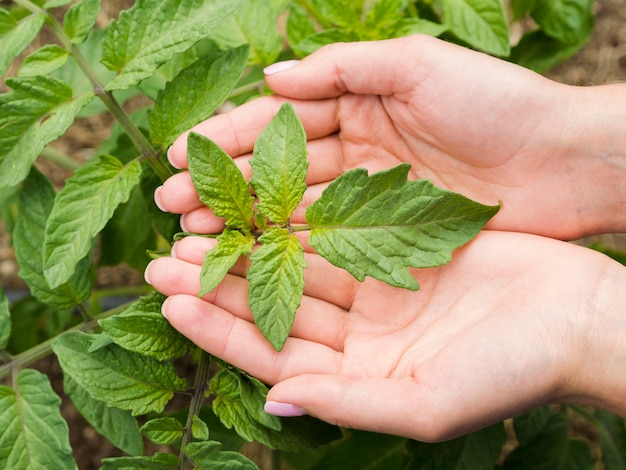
(483, 127)
(513, 322)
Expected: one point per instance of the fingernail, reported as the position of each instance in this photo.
(164, 308)
(173, 250)
(146, 273)
(170, 159)
(182, 224)
(280, 66)
(157, 199)
(285, 410)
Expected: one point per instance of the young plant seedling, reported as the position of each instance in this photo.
(375, 225)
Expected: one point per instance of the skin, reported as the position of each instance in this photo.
(516, 320)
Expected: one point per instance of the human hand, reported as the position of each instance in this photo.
(473, 124)
(515, 321)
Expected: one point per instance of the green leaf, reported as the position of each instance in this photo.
(255, 24)
(568, 21)
(81, 210)
(163, 430)
(15, 40)
(408, 26)
(477, 451)
(329, 36)
(206, 455)
(219, 182)
(43, 61)
(530, 424)
(36, 112)
(34, 434)
(5, 320)
(120, 378)
(232, 245)
(480, 23)
(552, 449)
(159, 461)
(539, 52)
(80, 18)
(56, 3)
(142, 329)
(199, 429)
(612, 434)
(118, 426)
(36, 199)
(279, 166)
(276, 278)
(365, 451)
(379, 225)
(7, 20)
(195, 94)
(521, 8)
(343, 13)
(152, 31)
(299, 26)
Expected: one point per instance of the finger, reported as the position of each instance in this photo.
(237, 130)
(240, 343)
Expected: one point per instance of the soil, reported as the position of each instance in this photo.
(601, 61)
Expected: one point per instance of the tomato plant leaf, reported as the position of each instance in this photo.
(570, 22)
(56, 3)
(36, 112)
(81, 210)
(219, 182)
(118, 426)
(279, 166)
(36, 200)
(152, 31)
(142, 329)
(7, 20)
(299, 26)
(232, 245)
(120, 378)
(480, 23)
(158, 461)
(276, 278)
(34, 434)
(380, 225)
(80, 18)
(43, 61)
(207, 455)
(15, 40)
(199, 429)
(5, 319)
(166, 430)
(195, 94)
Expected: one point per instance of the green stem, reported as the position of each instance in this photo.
(247, 88)
(60, 159)
(308, 6)
(200, 385)
(44, 349)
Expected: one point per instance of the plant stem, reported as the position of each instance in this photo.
(200, 385)
(240, 90)
(60, 159)
(44, 349)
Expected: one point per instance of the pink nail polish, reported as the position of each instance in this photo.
(284, 410)
(280, 66)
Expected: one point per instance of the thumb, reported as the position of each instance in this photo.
(377, 67)
(391, 406)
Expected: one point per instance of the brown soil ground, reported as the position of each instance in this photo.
(601, 61)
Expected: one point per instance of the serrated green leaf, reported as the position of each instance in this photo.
(379, 225)
(320, 39)
(612, 434)
(15, 40)
(256, 24)
(195, 94)
(219, 182)
(120, 378)
(480, 23)
(276, 278)
(408, 26)
(56, 3)
(118, 426)
(152, 31)
(565, 20)
(199, 429)
(159, 461)
(539, 52)
(36, 112)
(34, 434)
(279, 166)
(7, 20)
(5, 320)
(163, 430)
(206, 455)
(477, 451)
(529, 424)
(232, 245)
(43, 61)
(142, 329)
(81, 210)
(342, 13)
(36, 200)
(299, 26)
(80, 18)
